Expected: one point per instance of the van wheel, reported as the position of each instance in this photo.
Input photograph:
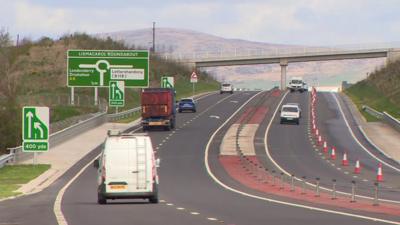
(154, 199)
(101, 199)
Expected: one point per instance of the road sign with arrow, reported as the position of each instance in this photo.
(35, 129)
(116, 95)
(167, 82)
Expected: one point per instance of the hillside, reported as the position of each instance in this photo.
(175, 41)
(34, 73)
(381, 91)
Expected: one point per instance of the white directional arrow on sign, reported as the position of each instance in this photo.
(37, 126)
(118, 92)
(29, 115)
(113, 90)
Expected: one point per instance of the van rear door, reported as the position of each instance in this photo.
(139, 165)
(117, 166)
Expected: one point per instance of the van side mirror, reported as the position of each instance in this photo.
(96, 163)
(158, 162)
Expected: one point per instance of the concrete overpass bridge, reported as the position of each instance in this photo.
(283, 57)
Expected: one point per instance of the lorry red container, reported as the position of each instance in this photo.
(158, 108)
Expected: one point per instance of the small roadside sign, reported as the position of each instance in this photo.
(35, 129)
(167, 82)
(193, 77)
(116, 96)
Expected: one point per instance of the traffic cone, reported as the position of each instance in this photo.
(379, 175)
(325, 147)
(345, 161)
(333, 153)
(357, 169)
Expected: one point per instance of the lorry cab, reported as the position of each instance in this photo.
(127, 168)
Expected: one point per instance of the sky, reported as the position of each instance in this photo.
(303, 22)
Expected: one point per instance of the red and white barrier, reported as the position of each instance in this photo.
(333, 153)
(345, 161)
(325, 147)
(357, 168)
(379, 175)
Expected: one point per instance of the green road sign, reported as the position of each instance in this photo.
(116, 96)
(167, 82)
(96, 68)
(35, 129)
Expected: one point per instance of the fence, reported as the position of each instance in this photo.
(385, 117)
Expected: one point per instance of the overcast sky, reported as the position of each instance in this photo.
(305, 22)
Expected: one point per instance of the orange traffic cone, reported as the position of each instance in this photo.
(333, 153)
(325, 147)
(345, 161)
(379, 175)
(357, 169)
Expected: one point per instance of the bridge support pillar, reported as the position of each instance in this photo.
(283, 63)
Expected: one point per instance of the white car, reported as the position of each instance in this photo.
(226, 88)
(127, 168)
(296, 84)
(290, 113)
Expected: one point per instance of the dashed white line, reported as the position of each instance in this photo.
(212, 218)
(194, 213)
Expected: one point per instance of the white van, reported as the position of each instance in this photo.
(127, 168)
(226, 88)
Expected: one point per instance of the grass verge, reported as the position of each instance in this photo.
(13, 176)
(363, 93)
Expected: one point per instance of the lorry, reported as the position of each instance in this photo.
(127, 168)
(158, 108)
(297, 84)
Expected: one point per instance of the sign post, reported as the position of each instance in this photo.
(193, 80)
(116, 94)
(167, 82)
(35, 129)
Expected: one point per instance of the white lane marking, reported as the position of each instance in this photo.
(180, 208)
(212, 219)
(194, 213)
(234, 101)
(365, 180)
(354, 176)
(57, 203)
(170, 204)
(345, 172)
(162, 201)
(210, 173)
(213, 116)
(355, 138)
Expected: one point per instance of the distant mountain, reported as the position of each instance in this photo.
(171, 40)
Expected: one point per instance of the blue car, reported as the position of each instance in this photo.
(186, 104)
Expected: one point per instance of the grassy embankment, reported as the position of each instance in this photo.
(381, 91)
(12, 177)
(36, 75)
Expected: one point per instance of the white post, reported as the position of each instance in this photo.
(193, 90)
(96, 96)
(72, 96)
